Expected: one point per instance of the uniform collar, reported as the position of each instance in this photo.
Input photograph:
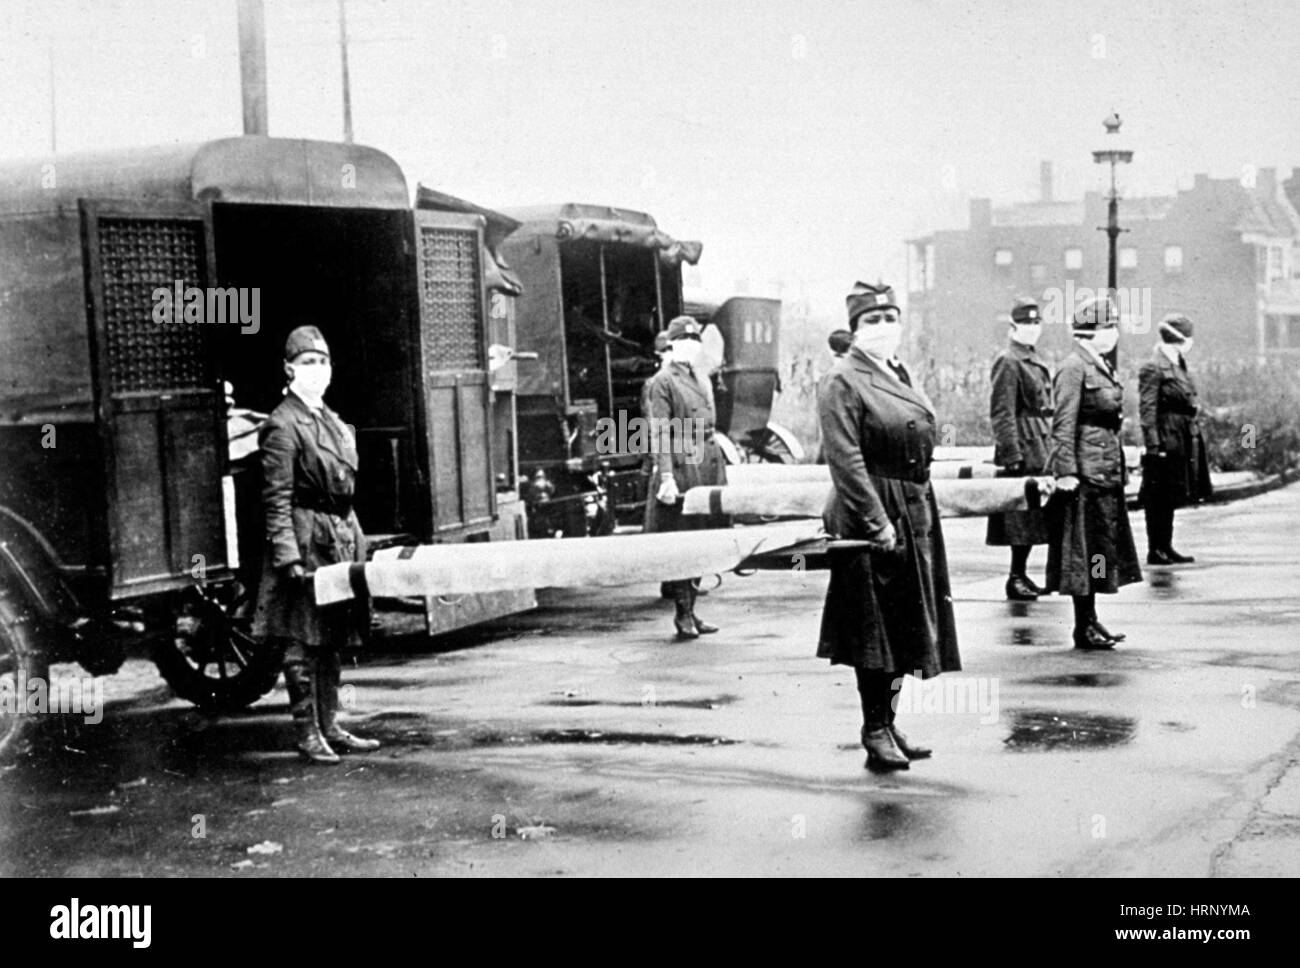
(1028, 354)
(327, 428)
(1084, 349)
(882, 378)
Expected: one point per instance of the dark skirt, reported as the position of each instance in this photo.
(1017, 528)
(893, 612)
(1177, 479)
(1091, 548)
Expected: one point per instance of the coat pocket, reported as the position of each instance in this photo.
(1101, 459)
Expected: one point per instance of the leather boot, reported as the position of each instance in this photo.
(1091, 639)
(1020, 590)
(910, 750)
(704, 628)
(683, 620)
(1176, 559)
(1115, 636)
(331, 673)
(299, 680)
(883, 753)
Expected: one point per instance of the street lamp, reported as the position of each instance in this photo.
(1113, 155)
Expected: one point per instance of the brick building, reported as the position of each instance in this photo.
(1225, 251)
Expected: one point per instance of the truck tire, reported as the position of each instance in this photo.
(211, 658)
(21, 660)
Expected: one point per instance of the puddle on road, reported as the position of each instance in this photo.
(398, 729)
(1086, 680)
(707, 702)
(885, 820)
(637, 739)
(1038, 730)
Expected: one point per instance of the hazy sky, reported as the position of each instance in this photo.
(800, 141)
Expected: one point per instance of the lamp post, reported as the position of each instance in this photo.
(1113, 155)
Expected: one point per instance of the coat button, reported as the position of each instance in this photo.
(911, 423)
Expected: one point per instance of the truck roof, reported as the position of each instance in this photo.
(575, 221)
(249, 169)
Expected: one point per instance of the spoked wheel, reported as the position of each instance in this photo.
(770, 446)
(212, 659)
(21, 662)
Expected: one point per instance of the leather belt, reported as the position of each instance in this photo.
(921, 476)
(1105, 423)
(313, 502)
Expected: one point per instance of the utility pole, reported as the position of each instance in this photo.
(347, 83)
(252, 65)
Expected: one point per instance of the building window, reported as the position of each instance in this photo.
(1038, 272)
(929, 265)
(1074, 258)
(1128, 258)
(1002, 258)
(1173, 258)
(1275, 266)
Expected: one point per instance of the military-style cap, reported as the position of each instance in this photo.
(840, 341)
(1096, 313)
(1177, 325)
(865, 298)
(683, 327)
(305, 339)
(1025, 311)
(661, 342)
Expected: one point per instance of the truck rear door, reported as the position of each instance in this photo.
(454, 368)
(158, 402)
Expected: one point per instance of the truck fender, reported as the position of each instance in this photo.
(730, 453)
(29, 571)
(789, 439)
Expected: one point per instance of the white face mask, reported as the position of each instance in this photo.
(1104, 340)
(880, 340)
(310, 381)
(1026, 334)
(687, 350)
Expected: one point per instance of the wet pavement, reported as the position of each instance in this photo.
(579, 739)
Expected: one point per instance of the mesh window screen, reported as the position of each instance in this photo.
(449, 292)
(139, 256)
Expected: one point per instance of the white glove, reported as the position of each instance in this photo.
(667, 491)
(888, 539)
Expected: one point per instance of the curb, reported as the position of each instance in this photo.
(1240, 491)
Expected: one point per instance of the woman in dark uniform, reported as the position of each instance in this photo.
(1020, 409)
(678, 404)
(309, 467)
(1175, 469)
(1092, 544)
(888, 607)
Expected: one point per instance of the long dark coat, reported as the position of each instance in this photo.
(1168, 407)
(309, 468)
(672, 397)
(1091, 548)
(889, 612)
(1020, 409)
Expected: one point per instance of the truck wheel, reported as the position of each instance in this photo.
(21, 661)
(211, 658)
(776, 446)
